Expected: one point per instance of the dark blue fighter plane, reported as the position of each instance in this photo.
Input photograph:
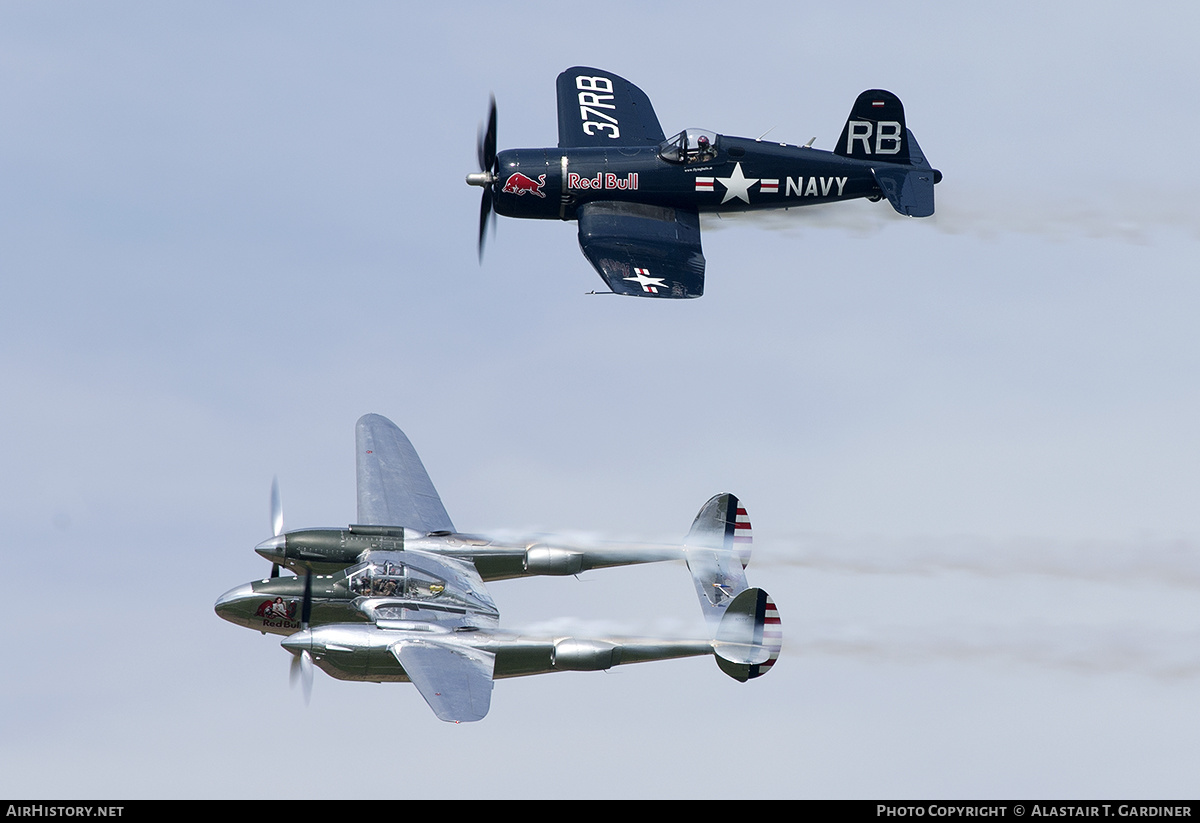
(638, 195)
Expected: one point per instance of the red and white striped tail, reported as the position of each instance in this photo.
(749, 638)
(772, 636)
(742, 537)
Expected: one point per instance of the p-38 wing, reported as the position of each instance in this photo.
(426, 613)
(455, 680)
(393, 486)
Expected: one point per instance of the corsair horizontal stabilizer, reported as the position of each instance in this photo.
(749, 636)
(908, 188)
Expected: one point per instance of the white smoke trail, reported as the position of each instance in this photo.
(1173, 563)
(1089, 650)
(667, 627)
(1136, 219)
(1112, 649)
(1086, 607)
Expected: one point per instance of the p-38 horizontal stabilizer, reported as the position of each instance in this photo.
(749, 637)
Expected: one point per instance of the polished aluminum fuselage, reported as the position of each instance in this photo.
(364, 652)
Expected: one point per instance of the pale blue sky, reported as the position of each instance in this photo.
(967, 444)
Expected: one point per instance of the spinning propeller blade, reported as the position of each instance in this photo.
(276, 517)
(301, 668)
(306, 604)
(485, 153)
(301, 672)
(486, 216)
(306, 676)
(487, 140)
(276, 508)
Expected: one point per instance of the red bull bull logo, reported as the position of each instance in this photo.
(519, 184)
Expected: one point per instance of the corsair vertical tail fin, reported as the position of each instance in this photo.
(875, 129)
(875, 132)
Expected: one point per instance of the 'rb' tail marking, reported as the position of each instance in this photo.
(876, 132)
(875, 129)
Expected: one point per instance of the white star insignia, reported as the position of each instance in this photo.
(647, 283)
(736, 185)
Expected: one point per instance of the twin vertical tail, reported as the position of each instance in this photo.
(876, 132)
(749, 637)
(717, 550)
(744, 621)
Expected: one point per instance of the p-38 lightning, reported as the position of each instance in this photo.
(401, 597)
(638, 195)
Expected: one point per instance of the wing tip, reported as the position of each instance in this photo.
(372, 417)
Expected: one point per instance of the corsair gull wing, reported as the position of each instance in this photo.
(643, 250)
(597, 108)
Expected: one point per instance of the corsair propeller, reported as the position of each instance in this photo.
(487, 174)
